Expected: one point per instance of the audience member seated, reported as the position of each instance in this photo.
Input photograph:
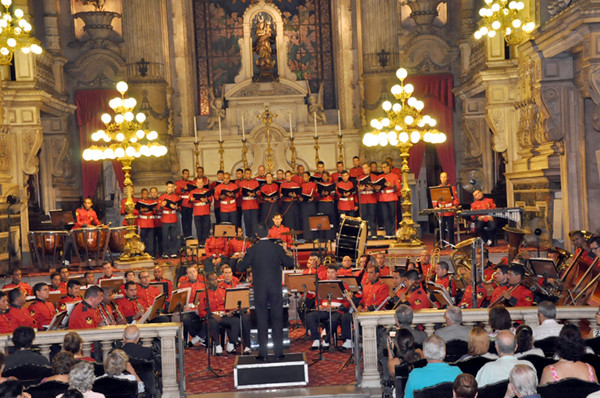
(454, 330)
(22, 339)
(524, 336)
(73, 343)
(499, 319)
(401, 350)
(116, 363)
(72, 394)
(547, 318)
(12, 389)
(436, 371)
(479, 345)
(131, 337)
(499, 369)
(404, 318)
(570, 349)
(522, 383)
(464, 386)
(81, 378)
(62, 363)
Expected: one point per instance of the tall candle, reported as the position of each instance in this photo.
(243, 129)
(220, 135)
(315, 119)
(195, 130)
(291, 133)
(339, 124)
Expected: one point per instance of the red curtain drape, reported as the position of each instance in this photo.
(91, 104)
(436, 92)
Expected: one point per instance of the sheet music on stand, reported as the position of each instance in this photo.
(153, 310)
(179, 297)
(301, 283)
(441, 294)
(335, 288)
(57, 320)
(351, 282)
(441, 194)
(237, 298)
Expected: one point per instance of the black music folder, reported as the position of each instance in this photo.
(139, 206)
(229, 192)
(261, 181)
(316, 179)
(249, 191)
(326, 189)
(286, 192)
(203, 195)
(344, 192)
(308, 196)
(270, 195)
(173, 202)
(189, 187)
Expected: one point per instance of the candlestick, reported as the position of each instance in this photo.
(244, 154)
(291, 133)
(195, 130)
(220, 134)
(340, 149)
(243, 129)
(267, 118)
(339, 124)
(197, 154)
(221, 152)
(315, 119)
(293, 153)
(316, 150)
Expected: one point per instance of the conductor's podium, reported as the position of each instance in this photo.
(290, 371)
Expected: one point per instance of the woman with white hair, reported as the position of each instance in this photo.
(522, 383)
(115, 365)
(81, 378)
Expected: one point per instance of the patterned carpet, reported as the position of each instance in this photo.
(323, 373)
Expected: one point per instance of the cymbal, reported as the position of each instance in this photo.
(515, 230)
(292, 232)
(464, 243)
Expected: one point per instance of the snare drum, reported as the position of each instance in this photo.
(116, 242)
(47, 248)
(352, 238)
(91, 244)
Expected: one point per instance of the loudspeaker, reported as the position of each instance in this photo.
(248, 372)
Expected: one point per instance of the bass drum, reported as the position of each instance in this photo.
(352, 238)
(48, 248)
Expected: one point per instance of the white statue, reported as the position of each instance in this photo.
(217, 111)
(315, 106)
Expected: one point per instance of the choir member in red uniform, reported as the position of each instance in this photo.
(130, 306)
(289, 202)
(86, 216)
(183, 188)
(158, 247)
(388, 198)
(239, 177)
(517, 295)
(249, 201)
(346, 192)
(146, 292)
(485, 225)
(72, 296)
(297, 178)
(339, 305)
(447, 217)
(356, 171)
(6, 323)
(269, 200)
(17, 281)
(168, 207)
(19, 316)
(307, 204)
(227, 280)
(346, 269)
(158, 277)
(393, 169)
(41, 310)
(217, 205)
(320, 169)
(64, 277)
(384, 270)
(337, 175)
(226, 194)
(414, 295)
(367, 199)
(261, 176)
(85, 315)
(145, 220)
(327, 192)
(201, 199)
(200, 177)
(278, 229)
(501, 278)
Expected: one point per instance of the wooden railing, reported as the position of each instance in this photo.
(171, 344)
(368, 376)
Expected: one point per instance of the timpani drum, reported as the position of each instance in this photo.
(48, 248)
(91, 244)
(352, 238)
(116, 241)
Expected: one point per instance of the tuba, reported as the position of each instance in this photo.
(515, 237)
(461, 261)
(563, 257)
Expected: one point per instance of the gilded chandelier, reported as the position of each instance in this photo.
(15, 34)
(504, 17)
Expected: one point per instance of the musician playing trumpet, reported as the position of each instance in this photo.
(484, 225)
(517, 294)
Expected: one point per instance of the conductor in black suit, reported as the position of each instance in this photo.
(266, 259)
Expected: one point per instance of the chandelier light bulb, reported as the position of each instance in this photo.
(421, 123)
(495, 7)
(385, 122)
(432, 122)
(403, 137)
(128, 116)
(386, 105)
(130, 103)
(19, 13)
(396, 89)
(520, 5)
(122, 87)
(427, 137)
(106, 138)
(409, 120)
(27, 27)
(401, 73)
(11, 42)
(366, 140)
(483, 11)
(483, 30)
(491, 33)
(508, 31)
(516, 23)
(119, 118)
(109, 153)
(382, 139)
(26, 50)
(496, 25)
(412, 101)
(6, 3)
(529, 27)
(477, 35)
(397, 107)
(512, 5)
(398, 128)
(145, 151)
(4, 51)
(152, 135)
(119, 152)
(442, 138)
(95, 136)
(415, 136)
(140, 134)
(488, 1)
(130, 151)
(87, 154)
(120, 137)
(409, 88)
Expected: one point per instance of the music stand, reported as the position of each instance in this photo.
(441, 194)
(238, 299)
(441, 294)
(153, 311)
(321, 224)
(55, 297)
(224, 231)
(61, 218)
(57, 320)
(351, 282)
(543, 267)
(301, 283)
(388, 280)
(179, 299)
(163, 287)
(113, 283)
